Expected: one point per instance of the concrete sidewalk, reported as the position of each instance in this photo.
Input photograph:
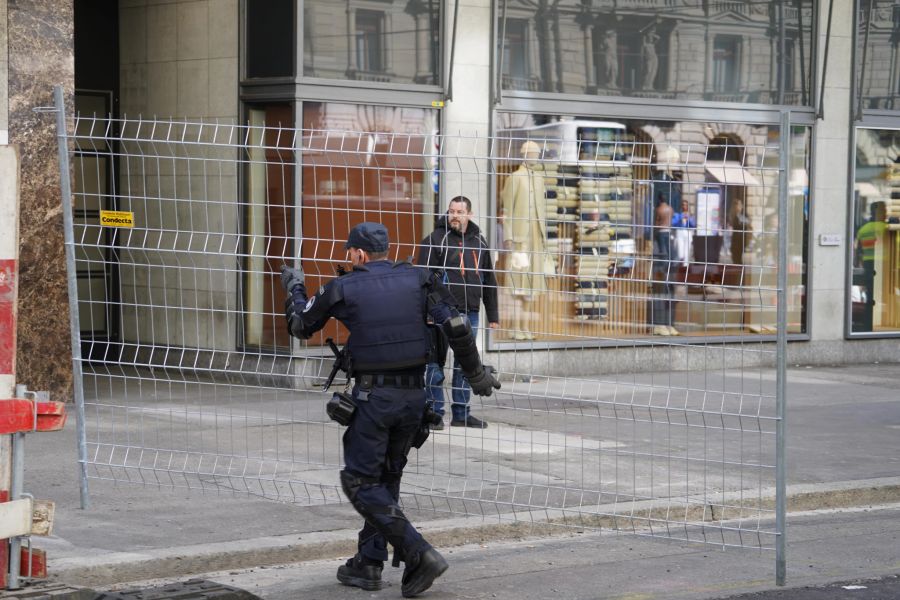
(843, 451)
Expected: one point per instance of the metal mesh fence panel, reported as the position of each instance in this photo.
(635, 282)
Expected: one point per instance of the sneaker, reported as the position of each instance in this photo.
(439, 426)
(421, 572)
(361, 572)
(470, 421)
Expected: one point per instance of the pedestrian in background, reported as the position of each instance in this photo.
(459, 254)
(683, 225)
(385, 307)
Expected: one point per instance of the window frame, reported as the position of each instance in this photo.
(569, 108)
(860, 118)
(741, 111)
(324, 89)
(851, 237)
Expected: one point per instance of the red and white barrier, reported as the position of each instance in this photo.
(9, 250)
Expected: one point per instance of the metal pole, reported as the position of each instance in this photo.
(781, 349)
(452, 52)
(17, 474)
(821, 112)
(498, 96)
(75, 331)
(862, 64)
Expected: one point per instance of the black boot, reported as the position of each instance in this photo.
(361, 572)
(421, 571)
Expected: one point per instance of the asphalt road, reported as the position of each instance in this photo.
(884, 588)
(824, 548)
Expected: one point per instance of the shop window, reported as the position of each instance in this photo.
(875, 282)
(623, 229)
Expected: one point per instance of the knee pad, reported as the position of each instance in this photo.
(351, 484)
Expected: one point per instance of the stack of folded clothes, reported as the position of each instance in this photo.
(591, 279)
(620, 207)
(551, 203)
(892, 206)
(567, 193)
(592, 249)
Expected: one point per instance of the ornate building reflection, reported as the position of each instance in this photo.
(756, 52)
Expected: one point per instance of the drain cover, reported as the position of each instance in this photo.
(192, 589)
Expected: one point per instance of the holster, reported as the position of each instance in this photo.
(439, 345)
(341, 408)
(429, 418)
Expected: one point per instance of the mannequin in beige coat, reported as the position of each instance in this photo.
(522, 209)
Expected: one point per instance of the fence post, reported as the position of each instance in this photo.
(65, 181)
(781, 348)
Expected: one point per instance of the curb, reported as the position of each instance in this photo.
(123, 567)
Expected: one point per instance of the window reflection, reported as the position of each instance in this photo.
(268, 219)
(270, 38)
(363, 163)
(386, 41)
(878, 73)
(755, 52)
(642, 228)
(874, 293)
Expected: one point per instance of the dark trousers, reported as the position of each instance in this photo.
(868, 316)
(376, 445)
(662, 290)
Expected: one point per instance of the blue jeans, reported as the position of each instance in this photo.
(434, 380)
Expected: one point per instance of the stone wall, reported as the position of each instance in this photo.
(179, 62)
(41, 55)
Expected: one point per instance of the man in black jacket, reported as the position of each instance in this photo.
(458, 252)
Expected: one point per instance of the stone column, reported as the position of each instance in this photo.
(423, 48)
(586, 21)
(828, 268)
(351, 41)
(41, 55)
(469, 111)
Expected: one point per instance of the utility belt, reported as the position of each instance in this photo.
(342, 405)
(406, 380)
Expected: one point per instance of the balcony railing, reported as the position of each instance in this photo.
(380, 76)
(528, 84)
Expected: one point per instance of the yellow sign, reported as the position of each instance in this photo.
(116, 218)
(437, 103)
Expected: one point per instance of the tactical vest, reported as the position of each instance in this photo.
(386, 317)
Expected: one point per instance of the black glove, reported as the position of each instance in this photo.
(291, 278)
(484, 383)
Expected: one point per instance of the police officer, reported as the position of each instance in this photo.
(385, 307)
